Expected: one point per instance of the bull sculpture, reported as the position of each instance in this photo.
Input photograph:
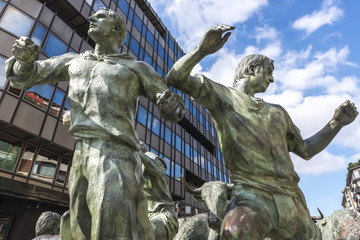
(206, 226)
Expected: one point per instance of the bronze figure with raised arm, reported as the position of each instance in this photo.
(256, 138)
(104, 86)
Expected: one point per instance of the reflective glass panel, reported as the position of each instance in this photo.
(161, 51)
(124, 6)
(137, 22)
(89, 2)
(159, 71)
(187, 150)
(16, 22)
(56, 104)
(141, 117)
(2, 72)
(54, 46)
(1, 4)
(156, 126)
(169, 164)
(147, 58)
(178, 171)
(134, 45)
(131, 14)
(150, 37)
(97, 5)
(167, 135)
(9, 153)
(39, 95)
(63, 169)
(171, 44)
(195, 156)
(38, 34)
(26, 160)
(45, 166)
(178, 143)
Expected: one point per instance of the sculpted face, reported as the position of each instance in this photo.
(101, 26)
(261, 79)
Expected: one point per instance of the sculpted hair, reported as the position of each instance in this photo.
(119, 23)
(253, 60)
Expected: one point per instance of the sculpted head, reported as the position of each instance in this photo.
(48, 224)
(254, 73)
(106, 23)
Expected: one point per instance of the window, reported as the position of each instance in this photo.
(196, 157)
(171, 44)
(38, 34)
(9, 153)
(141, 117)
(26, 160)
(169, 164)
(124, 6)
(141, 54)
(161, 51)
(167, 135)
(1, 4)
(156, 126)
(178, 143)
(16, 22)
(187, 103)
(187, 150)
(134, 45)
(56, 104)
(149, 116)
(2, 72)
(63, 170)
(97, 5)
(177, 172)
(90, 2)
(54, 46)
(39, 95)
(143, 32)
(45, 166)
(131, 14)
(147, 58)
(170, 62)
(150, 37)
(126, 42)
(137, 22)
(159, 71)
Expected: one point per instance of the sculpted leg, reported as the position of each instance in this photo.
(113, 192)
(80, 218)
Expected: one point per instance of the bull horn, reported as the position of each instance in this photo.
(318, 218)
(196, 191)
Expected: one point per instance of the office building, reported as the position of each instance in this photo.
(351, 193)
(35, 148)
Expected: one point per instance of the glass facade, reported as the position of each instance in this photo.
(34, 145)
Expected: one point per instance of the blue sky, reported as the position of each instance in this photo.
(315, 45)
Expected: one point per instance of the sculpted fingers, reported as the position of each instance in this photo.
(25, 50)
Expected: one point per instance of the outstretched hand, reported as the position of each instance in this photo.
(345, 114)
(25, 51)
(213, 39)
(169, 104)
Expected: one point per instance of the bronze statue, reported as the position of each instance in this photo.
(256, 138)
(104, 87)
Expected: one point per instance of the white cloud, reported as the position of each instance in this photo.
(322, 163)
(328, 14)
(192, 18)
(304, 70)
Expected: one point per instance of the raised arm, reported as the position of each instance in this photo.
(23, 71)
(344, 115)
(179, 75)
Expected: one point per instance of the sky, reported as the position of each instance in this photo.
(315, 46)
